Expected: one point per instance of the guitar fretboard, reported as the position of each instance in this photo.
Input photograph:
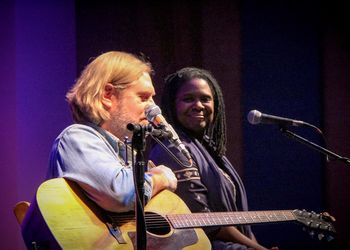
(179, 221)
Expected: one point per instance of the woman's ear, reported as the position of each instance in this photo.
(107, 96)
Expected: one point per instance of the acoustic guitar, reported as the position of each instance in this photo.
(62, 217)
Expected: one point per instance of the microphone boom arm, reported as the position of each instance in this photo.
(314, 146)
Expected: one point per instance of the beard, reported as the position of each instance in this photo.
(119, 120)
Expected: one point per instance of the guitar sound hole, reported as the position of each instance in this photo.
(157, 224)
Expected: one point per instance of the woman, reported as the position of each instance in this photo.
(192, 101)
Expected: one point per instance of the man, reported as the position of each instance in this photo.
(112, 91)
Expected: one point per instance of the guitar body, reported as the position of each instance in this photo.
(62, 217)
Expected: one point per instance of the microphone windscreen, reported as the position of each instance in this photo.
(152, 111)
(254, 117)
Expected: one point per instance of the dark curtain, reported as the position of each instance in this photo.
(277, 56)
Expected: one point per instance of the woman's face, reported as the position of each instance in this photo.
(195, 106)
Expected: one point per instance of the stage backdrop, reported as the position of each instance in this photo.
(288, 59)
(38, 64)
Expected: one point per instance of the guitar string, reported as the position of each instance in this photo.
(276, 215)
(156, 221)
(159, 221)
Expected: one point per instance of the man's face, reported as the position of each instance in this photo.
(129, 106)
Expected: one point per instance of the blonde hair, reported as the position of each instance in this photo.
(115, 67)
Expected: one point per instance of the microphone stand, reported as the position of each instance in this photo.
(139, 144)
(314, 146)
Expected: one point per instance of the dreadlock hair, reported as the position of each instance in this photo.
(214, 138)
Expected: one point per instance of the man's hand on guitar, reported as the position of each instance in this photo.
(162, 178)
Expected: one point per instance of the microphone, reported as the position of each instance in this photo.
(159, 133)
(154, 115)
(256, 117)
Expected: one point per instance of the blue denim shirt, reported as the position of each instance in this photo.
(83, 155)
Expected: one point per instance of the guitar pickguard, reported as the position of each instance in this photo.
(177, 240)
(116, 233)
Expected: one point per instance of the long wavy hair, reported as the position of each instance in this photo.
(214, 137)
(115, 67)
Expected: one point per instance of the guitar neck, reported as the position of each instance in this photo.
(181, 221)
